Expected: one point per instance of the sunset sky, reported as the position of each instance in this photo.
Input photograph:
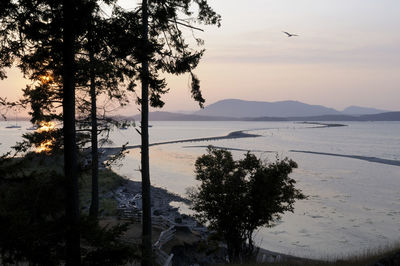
(347, 53)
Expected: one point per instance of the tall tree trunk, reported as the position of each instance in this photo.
(146, 197)
(70, 154)
(94, 206)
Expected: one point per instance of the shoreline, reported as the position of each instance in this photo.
(106, 152)
(363, 158)
(109, 151)
(161, 197)
(225, 148)
(322, 125)
(161, 200)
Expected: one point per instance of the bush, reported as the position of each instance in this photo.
(237, 197)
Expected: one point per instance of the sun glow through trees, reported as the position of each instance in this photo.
(45, 78)
(45, 146)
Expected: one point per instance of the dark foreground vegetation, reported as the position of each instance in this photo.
(32, 215)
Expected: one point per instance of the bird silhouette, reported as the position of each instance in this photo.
(289, 34)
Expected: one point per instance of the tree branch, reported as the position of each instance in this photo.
(187, 25)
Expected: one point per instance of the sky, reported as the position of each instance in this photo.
(347, 53)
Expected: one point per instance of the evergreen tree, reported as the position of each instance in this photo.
(45, 38)
(146, 196)
(107, 72)
(162, 48)
(73, 255)
(48, 40)
(32, 37)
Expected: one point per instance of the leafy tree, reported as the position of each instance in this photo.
(237, 197)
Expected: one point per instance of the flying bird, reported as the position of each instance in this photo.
(289, 34)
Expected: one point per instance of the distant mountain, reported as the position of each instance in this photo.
(241, 108)
(358, 110)
(167, 116)
(389, 116)
(311, 118)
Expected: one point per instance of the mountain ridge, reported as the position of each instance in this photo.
(288, 108)
(360, 110)
(168, 116)
(242, 108)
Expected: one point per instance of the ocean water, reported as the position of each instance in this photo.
(353, 204)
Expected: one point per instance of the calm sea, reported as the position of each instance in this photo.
(353, 204)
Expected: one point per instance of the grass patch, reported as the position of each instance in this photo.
(369, 257)
(108, 182)
(46, 169)
(33, 163)
(108, 207)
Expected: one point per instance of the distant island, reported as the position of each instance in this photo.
(240, 110)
